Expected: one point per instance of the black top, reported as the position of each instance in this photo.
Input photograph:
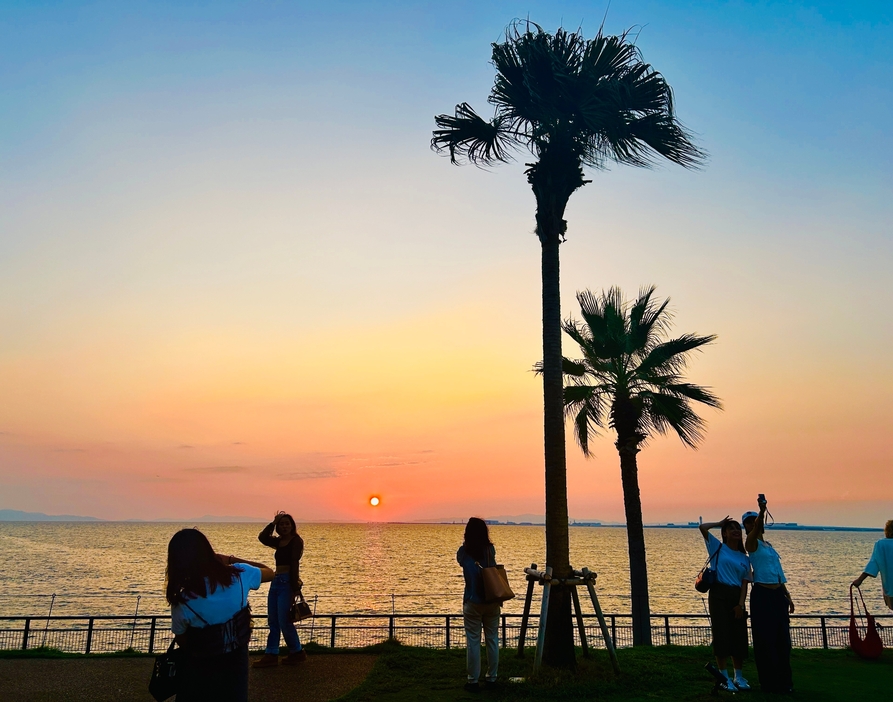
(288, 554)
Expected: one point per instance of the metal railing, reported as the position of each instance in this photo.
(151, 633)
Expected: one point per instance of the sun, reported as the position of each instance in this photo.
(375, 501)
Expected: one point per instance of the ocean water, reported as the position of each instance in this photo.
(110, 567)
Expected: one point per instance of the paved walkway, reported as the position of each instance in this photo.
(320, 678)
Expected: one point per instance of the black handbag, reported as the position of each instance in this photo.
(707, 577)
(299, 609)
(167, 673)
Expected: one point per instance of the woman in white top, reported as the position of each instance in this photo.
(770, 608)
(207, 591)
(881, 561)
(727, 597)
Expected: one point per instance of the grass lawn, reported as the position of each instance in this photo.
(659, 673)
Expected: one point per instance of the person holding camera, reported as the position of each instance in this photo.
(728, 620)
(208, 592)
(770, 607)
(284, 589)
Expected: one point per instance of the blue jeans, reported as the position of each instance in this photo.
(278, 605)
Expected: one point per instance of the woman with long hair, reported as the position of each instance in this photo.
(208, 595)
(475, 553)
(727, 596)
(285, 588)
(771, 607)
(881, 561)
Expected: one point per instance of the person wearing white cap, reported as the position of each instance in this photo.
(770, 608)
(881, 562)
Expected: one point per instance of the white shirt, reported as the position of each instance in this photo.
(766, 565)
(732, 567)
(882, 562)
(219, 606)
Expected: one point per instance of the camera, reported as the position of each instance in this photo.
(761, 497)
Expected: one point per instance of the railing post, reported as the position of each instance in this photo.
(152, 634)
(667, 628)
(503, 631)
(391, 628)
(614, 630)
(824, 634)
(25, 633)
(90, 635)
(332, 643)
(448, 631)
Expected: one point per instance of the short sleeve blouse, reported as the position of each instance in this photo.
(732, 567)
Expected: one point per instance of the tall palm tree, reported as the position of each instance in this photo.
(630, 378)
(573, 103)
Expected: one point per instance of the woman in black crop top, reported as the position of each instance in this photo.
(283, 590)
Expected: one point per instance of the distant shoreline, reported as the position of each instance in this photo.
(14, 516)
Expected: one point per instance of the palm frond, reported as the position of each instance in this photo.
(586, 405)
(469, 136)
(698, 393)
(665, 412)
(671, 356)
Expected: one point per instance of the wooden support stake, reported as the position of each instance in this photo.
(544, 610)
(580, 626)
(525, 617)
(601, 621)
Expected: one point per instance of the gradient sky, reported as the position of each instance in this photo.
(234, 278)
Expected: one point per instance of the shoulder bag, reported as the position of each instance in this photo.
(870, 645)
(164, 680)
(707, 577)
(496, 583)
(217, 639)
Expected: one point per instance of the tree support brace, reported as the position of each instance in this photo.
(583, 577)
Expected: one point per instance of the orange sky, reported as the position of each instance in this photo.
(225, 289)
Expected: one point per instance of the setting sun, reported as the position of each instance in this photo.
(374, 501)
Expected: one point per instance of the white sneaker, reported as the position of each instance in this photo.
(741, 683)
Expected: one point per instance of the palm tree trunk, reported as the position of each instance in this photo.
(635, 534)
(559, 642)
(553, 179)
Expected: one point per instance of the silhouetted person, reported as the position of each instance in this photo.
(727, 597)
(770, 608)
(284, 590)
(207, 590)
(475, 553)
(881, 561)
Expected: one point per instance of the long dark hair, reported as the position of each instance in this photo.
(283, 515)
(477, 539)
(192, 568)
(728, 525)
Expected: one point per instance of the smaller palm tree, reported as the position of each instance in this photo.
(630, 378)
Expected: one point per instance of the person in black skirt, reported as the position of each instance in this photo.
(728, 620)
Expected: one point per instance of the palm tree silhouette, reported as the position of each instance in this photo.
(631, 379)
(573, 103)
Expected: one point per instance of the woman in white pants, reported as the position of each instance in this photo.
(475, 553)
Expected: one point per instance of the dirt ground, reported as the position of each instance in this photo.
(320, 678)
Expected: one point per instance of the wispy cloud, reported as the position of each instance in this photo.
(217, 469)
(309, 474)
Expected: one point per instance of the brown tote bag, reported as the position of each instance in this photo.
(496, 583)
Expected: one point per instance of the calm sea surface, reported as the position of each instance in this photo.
(101, 568)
